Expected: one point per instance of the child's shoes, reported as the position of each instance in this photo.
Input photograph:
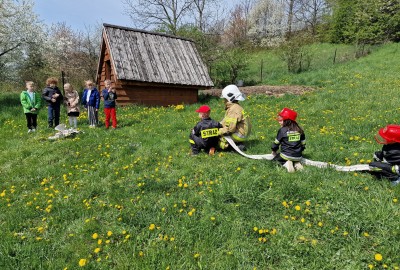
(212, 151)
(289, 166)
(298, 166)
(395, 182)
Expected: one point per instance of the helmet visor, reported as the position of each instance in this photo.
(379, 139)
(240, 97)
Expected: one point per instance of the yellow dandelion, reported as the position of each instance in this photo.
(395, 200)
(152, 227)
(212, 218)
(97, 250)
(378, 257)
(109, 233)
(82, 262)
(95, 236)
(196, 255)
(297, 207)
(320, 224)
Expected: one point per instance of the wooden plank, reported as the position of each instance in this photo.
(146, 67)
(173, 59)
(123, 54)
(180, 52)
(198, 67)
(158, 64)
(133, 56)
(192, 74)
(115, 53)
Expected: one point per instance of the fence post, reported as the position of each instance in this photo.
(334, 57)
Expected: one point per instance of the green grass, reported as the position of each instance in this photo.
(219, 212)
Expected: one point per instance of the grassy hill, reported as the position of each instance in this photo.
(132, 198)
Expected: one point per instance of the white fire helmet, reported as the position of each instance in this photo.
(232, 93)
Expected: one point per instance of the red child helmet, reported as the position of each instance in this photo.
(203, 109)
(388, 134)
(287, 113)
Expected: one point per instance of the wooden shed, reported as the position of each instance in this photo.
(151, 68)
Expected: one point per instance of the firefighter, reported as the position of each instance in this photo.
(386, 163)
(205, 134)
(291, 141)
(236, 122)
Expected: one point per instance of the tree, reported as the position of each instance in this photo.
(228, 65)
(365, 21)
(167, 15)
(311, 13)
(18, 33)
(75, 53)
(235, 34)
(205, 13)
(267, 20)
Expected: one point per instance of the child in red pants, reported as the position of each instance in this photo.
(109, 95)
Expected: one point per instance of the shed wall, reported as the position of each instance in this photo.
(155, 95)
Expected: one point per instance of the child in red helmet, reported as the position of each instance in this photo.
(291, 140)
(205, 134)
(386, 163)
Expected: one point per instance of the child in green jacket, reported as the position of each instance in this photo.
(31, 103)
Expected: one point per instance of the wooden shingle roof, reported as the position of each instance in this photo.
(144, 56)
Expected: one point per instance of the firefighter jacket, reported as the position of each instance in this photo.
(390, 153)
(292, 144)
(236, 122)
(207, 133)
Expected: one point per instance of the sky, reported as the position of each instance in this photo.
(79, 14)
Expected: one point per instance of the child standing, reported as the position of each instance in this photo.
(31, 103)
(91, 101)
(53, 97)
(236, 122)
(291, 140)
(386, 162)
(205, 134)
(71, 100)
(109, 96)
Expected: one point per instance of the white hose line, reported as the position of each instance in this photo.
(319, 164)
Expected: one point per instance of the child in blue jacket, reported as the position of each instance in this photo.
(91, 101)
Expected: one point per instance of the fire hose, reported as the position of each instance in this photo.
(319, 164)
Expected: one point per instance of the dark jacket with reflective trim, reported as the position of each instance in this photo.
(391, 153)
(292, 143)
(205, 124)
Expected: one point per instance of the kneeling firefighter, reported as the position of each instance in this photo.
(386, 162)
(236, 122)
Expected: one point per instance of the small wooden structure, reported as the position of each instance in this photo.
(151, 68)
